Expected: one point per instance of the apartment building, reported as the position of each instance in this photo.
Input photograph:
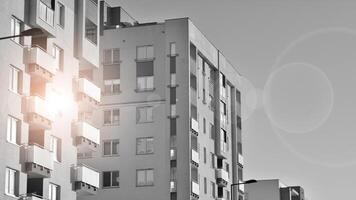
(170, 113)
(273, 190)
(47, 99)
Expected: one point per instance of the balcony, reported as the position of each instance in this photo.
(173, 186)
(195, 190)
(241, 187)
(41, 15)
(86, 180)
(173, 82)
(173, 154)
(38, 161)
(88, 137)
(41, 65)
(87, 45)
(240, 159)
(173, 113)
(195, 126)
(195, 158)
(222, 177)
(40, 114)
(88, 95)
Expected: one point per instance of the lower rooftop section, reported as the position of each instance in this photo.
(85, 180)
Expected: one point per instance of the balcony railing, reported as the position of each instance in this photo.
(40, 112)
(41, 63)
(195, 189)
(87, 134)
(222, 177)
(195, 126)
(38, 161)
(195, 157)
(88, 94)
(86, 179)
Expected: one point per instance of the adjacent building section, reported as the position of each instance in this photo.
(273, 190)
(169, 115)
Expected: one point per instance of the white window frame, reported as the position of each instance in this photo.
(111, 83)
(14, 79)
(12, 129)
(54, 147)
(172, 48)
(145, 141)
(53, 191)
(111, 178)
(146, 112)
(10, 182)
(57, 53)
(111, 147)
(16, 28)
(112, 53)
(112, 121)
(146, 181)
(145, 83)
(61, 14)
(145, 52)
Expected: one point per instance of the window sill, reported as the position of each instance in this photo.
(18, 44)
(147, 122)
(111, 187)
(11, 143)
(111, 63)
(145, 59)
(144, 154)
(173, 55)
(145, 185)
(14, 92)
(111, 93)
(173, 85)
(105, 156)
(11, 195)
(173, 117)
(145, 90)
(111, 124)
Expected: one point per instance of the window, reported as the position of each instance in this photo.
(204, 154)
(112, 86)
(12, 129)
(204, 125)
(112, 117)
(145, 52)
(172, 48)
(205, 186)
(212, 156)
(11, 182)
(111, 179)
(193, 82)
(212, 184)
(16, 28)
(14, 79)
(53, 192)
(111, 147)
(55, 147)
(57, 53)
(61, 15)
(111, 56)
(91, 32)
(144, 146)
(144, 114)
(144, 177)
(144, 75)
(212, 131)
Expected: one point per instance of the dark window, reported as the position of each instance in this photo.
(193, 81)
(91, 31)
(173, 96)
(173, 123)
(172, 65)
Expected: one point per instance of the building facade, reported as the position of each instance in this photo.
(45, 96)
(273, 190)
(170, 113)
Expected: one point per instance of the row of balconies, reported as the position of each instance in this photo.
(39, 163)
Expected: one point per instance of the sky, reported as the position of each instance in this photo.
(298, 58)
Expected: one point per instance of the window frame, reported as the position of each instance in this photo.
(61, 14)
(57, 189)
(112, 122)
(145, 140)
(111, 179)
(146, 183)
(10, 136)
(13, 22)
(111, 154)
(13, 192)
(12, 80)
(146, 57)
(138, 116)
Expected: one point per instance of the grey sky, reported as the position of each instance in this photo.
(315, 94)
